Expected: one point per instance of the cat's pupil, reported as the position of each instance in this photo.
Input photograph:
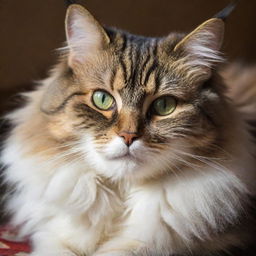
(164, 104)
(103, 98)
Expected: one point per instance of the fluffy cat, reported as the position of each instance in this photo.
(131, 147)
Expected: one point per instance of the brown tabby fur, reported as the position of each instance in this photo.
(135, 70)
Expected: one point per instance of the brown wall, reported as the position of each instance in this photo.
(30, 30)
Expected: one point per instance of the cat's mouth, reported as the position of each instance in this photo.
(124, 156)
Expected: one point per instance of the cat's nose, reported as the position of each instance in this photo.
(129, 137)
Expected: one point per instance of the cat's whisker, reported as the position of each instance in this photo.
(206, 160)
(62, 157)
(65, 146)
(199, 156)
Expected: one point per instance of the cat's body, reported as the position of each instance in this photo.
(130, 180)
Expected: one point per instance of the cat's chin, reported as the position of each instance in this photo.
(115, 168)
(126, 157)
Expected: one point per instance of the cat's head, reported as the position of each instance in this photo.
(136, 106)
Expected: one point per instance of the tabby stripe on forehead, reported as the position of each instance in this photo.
(122, 58)
(151, 69)
(153, 53)
(124, 69)
(132, 61)
(144, 66)
(63, 104)
(135, 66)
(157, 82)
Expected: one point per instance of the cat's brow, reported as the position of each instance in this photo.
(64, 103)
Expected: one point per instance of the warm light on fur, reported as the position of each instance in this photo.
(183, 186)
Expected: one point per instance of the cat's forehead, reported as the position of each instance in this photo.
(140, 68)
(137, 67)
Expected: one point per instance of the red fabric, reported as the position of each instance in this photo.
(11, 244)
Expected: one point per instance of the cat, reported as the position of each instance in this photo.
(131, 147)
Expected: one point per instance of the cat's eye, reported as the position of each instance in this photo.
(103, 100)
(164, 105)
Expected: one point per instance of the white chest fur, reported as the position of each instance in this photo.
(71, 205)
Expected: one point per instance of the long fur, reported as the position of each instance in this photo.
(189, 189)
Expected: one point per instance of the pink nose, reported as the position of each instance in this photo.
(129, 137)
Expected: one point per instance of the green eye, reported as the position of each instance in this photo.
(164, 105)
(102, 100)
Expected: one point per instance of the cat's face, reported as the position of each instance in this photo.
(136, 106)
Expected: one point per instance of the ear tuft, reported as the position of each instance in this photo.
(203, 44)
(85, 36)
(198, 52)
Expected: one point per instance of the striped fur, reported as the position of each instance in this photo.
(181, 188)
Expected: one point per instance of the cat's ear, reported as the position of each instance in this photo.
(85, 36)
(200, 49)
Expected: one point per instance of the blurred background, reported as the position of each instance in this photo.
(31, 30)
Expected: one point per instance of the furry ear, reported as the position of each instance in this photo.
(85, 36)
(199, 50)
